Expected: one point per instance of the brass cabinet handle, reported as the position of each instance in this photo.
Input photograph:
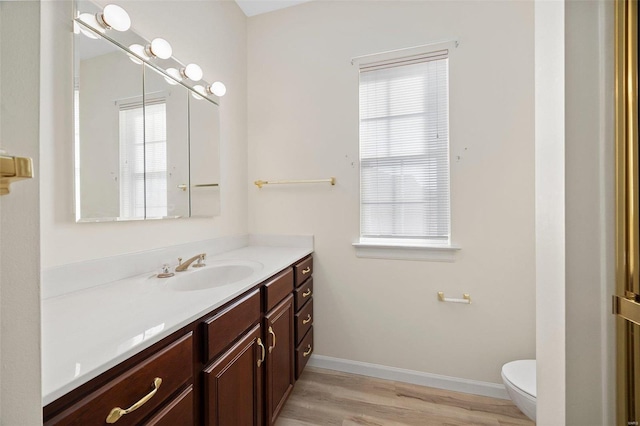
(307, 320)
(274, 339)
(307, 352)
(118, 412)
(306, 270)
(306, 293)
(264, 353)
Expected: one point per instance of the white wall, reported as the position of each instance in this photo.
(550, 211)
(303, 123)
(212, 34)
(20, 394)
(590, 213)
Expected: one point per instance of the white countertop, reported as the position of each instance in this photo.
(86, 332)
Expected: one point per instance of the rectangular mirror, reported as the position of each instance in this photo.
(204, 125)
(146, 144)
(107, 83)
(166, 146)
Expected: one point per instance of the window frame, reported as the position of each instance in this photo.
(407, 248)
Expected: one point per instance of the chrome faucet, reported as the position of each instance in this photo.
(184, 266)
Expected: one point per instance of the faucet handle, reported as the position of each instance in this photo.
(179, 261)
(165, 268)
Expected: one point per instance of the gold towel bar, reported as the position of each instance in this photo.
(261, 183)
(13, 169)
(184, 186)
(466, 298)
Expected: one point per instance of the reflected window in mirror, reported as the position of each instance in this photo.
(155, 148)
(143, 159)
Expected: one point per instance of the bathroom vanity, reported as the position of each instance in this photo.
(234, 364)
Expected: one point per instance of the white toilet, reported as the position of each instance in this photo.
(519, 378)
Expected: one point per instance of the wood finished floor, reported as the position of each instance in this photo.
(324, 397)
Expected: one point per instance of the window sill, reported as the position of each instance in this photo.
(434, 253)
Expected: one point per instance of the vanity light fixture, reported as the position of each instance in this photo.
(113, 16)
(139, 50)
(192, 71)
(158, 48)
(175, 74)
(217, 88)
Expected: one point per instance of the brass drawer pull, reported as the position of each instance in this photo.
(307, 320)
(306, 270)
(264, 352)
(274, 339)
(306, 293)
(307, 352)
(118, 412)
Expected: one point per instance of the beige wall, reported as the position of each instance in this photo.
(20, 397)
(303, 123)
(212, 34)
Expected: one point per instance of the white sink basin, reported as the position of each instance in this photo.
(215, 274)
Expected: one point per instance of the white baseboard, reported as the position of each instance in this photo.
(474, 387)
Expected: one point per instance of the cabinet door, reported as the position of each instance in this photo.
(233, 383)
(279, 333)
(178, 412)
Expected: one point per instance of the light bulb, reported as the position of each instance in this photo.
(113, 16)
(90, 20)
(175, 74)
(201, 91)
(159, 48)
(217, 88)
(192, 72)
(138, 49)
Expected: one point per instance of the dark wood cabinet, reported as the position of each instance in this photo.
(303, 294)
(303, 352)
(280, 362)
(233, 383)
(226, 326)
(235, 366)
(178, 412)
(147, 385)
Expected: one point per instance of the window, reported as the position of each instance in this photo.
(404, 151)
(143, 159)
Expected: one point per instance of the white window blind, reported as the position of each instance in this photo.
(156, 159)
(143, 160)
(404, 150)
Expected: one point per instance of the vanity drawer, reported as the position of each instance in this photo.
(225, 327)
(304, 320)
(303, 294)
(278, 288)
(179, 411)
(303, 270)
(303, 352)
(173, 364)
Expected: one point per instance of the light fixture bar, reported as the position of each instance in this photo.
(175, 72)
